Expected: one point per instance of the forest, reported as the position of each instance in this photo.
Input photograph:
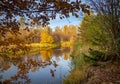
(32, 40)
(32, 52)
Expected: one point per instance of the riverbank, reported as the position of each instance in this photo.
(33, 48)
(22, 49)
(88, 71)
(107, 73)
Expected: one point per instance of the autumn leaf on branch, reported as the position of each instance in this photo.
(40, 11)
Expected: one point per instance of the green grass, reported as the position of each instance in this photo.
(79, 73)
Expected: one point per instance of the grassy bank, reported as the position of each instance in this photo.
(92, 71)
(79, 72)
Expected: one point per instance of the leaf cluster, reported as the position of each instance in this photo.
(39, 11)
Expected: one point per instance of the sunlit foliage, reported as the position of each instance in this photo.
(45, 36)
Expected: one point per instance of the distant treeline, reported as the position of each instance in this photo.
(44, 35)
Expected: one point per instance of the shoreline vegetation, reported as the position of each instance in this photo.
(34, 48)
(96, 54)
(89, 70)
(34, 40)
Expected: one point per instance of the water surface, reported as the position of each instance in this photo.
(47, 67)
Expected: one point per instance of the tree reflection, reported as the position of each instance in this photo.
(28, 64)
(24, 65)
(57, 52)
(6, 67)
(62, 52)
(52, 72)
(66, 56)
(55, 64)
(46, 55)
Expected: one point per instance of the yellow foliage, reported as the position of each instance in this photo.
(66, 56)
(68, 43)
(72, 40)
(46, 54)
(45, 37)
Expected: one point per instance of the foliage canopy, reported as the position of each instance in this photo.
(38, 11)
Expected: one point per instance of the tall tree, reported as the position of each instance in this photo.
(45, 36)
(110, 15)
(73, 30)
(92, 33)
(66, 29)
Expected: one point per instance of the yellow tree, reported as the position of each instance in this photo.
(73, 30)
(45, 36)
(66, 29)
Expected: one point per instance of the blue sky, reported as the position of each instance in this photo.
(66, 21)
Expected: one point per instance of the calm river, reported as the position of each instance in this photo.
(47, 67)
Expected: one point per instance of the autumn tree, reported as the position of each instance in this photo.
(66, 29)
(40, 11)
(73, 30)
(65, 32)
(32, 36)
(45, 36)
(58, 29)
(56, 37)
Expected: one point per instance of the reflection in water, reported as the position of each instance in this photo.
(65, 56)
(50, 66)
(55, 64)
(46, 54)
(52, 72)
